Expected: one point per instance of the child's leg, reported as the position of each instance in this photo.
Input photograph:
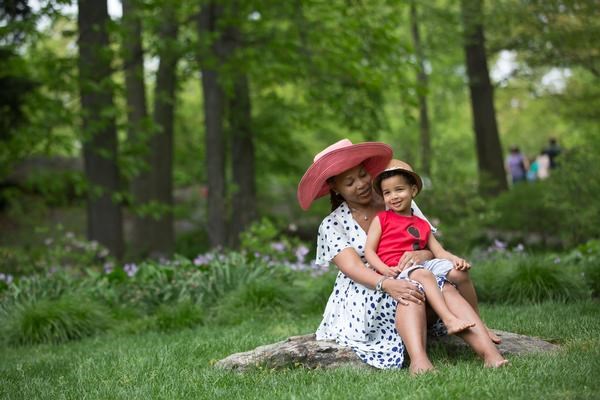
(477, 336)
(463, 282)
(437, 302)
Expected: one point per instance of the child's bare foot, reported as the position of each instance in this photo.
(495, 338)
(495, 362)
(422, 367)
(455, 325)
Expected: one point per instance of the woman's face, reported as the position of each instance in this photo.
(354, 185)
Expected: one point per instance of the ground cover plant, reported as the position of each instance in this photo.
(155, 329)
(180, 364)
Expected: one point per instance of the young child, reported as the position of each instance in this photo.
(397, 230)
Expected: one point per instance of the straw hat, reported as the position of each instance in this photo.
(337, 158)
(397, 165)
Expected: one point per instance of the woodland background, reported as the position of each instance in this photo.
(149, 159)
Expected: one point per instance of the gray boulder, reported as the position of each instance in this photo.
(305, 351)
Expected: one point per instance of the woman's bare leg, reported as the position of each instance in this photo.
(438, 303)
(465, 286)
(477, 337)
(411, 325)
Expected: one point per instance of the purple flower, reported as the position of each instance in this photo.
(278, 246)
(203, 259)
(48, 241)
(301, 252)
(500, 245)
(108, 267)
(557, 260)
(519, 248)
(130, 269)
(7, 278)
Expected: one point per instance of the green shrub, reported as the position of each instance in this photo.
(178, 316)
(586, 258)
(253, 299)
(54, 321)
(315, 291)
(526, 279)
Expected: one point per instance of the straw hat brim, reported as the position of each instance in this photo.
(377, 179)
(374, 156)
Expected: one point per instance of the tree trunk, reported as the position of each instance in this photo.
(137, 133)
(423, 85)
(161, 144)
(492, 178)
(244, 199)
(99, 130)
(213, 123)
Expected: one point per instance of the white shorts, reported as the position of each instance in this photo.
(438, 266)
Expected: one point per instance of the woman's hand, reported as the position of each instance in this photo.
(403, 291)
(411, 258)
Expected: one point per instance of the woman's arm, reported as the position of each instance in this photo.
(371, 251)
(352, 266)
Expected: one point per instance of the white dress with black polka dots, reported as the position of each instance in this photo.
(357, 316)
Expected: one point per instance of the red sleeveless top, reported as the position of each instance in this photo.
(399, 234)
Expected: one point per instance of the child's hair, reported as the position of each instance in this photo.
(393, 172)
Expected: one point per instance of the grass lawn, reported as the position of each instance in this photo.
(179, 365)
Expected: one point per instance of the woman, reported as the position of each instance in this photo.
(377, 318)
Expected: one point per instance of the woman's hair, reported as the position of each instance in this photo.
(388, 174)
(335, 198)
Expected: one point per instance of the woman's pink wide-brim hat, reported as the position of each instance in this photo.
(334, 160)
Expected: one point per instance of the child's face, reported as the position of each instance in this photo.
(398, 194)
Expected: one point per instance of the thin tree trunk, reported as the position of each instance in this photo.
(162, 142)
(104, 222)
(492, 178)
(244, 200)
(137, 134)
(213, 122)
(423, 86)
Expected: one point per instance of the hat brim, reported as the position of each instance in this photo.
(377, 179)
(374, 156)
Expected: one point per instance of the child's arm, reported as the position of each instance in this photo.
(373, 237)
(439, 252)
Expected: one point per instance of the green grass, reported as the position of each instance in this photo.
(179, 365)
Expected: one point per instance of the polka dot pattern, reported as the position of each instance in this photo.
(356, 316)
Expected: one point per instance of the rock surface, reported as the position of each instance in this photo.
(305, 351)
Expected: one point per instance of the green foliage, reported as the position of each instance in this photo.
(178, 316)
(574, 189)
(190, 244)
(586, 258)
(60, 251)
(254, 299)
(54, 321)
(520, 279)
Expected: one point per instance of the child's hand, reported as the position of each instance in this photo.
(460, 263)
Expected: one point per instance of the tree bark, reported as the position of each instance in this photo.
(104, 222)
(423, 85)
(137, 133)
(214, 99)
(492, 180)
(240, 120)
(161, 144)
